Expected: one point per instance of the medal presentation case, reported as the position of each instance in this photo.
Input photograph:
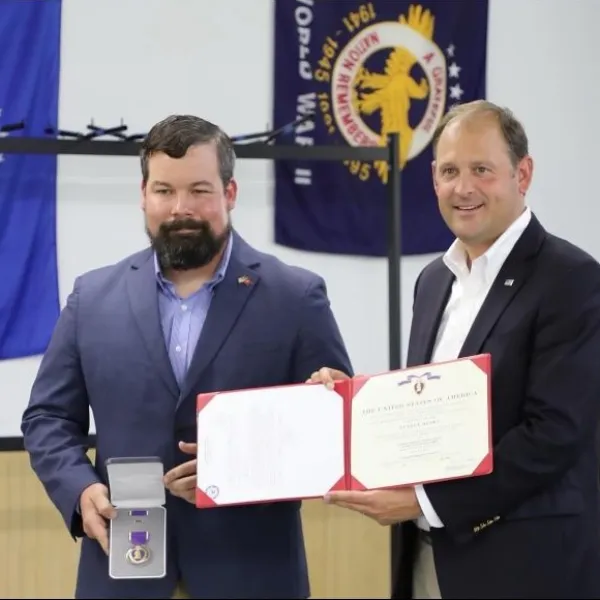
(138, 533)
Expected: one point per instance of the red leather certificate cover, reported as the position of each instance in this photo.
(393, 429)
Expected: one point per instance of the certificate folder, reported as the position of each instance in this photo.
(399, 428)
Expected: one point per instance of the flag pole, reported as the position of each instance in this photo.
(394, 234)
(394, 253)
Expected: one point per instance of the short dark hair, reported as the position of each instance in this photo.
(511, 128)
(177, 133)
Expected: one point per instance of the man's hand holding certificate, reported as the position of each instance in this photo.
(387, 507)
(389, 430)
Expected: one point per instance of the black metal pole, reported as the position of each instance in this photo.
(394, 295)
(394, 253)
(28, 145)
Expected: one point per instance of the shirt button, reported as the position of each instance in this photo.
(177, 348)
(183, 307)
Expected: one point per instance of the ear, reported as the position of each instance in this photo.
(231, 190)
(143, 195)
(524, 174)
(433, 177)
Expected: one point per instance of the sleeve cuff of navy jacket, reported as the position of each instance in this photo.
(427, 508)
(76, 524)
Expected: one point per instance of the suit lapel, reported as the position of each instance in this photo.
(229, 299)
(509, 281)
(429, 308)
(143, 299)
(511, 278)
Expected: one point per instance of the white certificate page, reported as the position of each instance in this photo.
(270, 444)
(420, 425)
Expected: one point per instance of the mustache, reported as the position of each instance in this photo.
(181, 224)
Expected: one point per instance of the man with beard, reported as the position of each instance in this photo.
(507, 287)
(137, 342)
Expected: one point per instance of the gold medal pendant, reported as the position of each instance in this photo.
(139, 553)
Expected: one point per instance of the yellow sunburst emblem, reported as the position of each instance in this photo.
(357, 93)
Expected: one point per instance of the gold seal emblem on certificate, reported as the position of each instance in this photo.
(138, 555)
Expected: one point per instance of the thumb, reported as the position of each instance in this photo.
(103, 506)
(188, 448)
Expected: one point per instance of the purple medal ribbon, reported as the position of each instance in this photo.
(138, 538)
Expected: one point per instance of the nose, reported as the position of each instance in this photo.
(183, 205)
(464, 185)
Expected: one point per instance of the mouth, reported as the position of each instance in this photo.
(184, 231)
(468, 208)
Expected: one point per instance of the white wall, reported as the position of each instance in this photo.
(141, 60)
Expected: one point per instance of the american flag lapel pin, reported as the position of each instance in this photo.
(244, 280)
(508, 282)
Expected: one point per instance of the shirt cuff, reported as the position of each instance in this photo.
(427, 508)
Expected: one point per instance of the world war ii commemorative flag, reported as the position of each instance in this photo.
(364, 71)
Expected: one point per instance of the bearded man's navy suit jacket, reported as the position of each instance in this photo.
(108, 352)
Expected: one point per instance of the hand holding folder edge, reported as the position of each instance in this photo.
(399, 428)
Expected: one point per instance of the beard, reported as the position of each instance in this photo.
(187, 244)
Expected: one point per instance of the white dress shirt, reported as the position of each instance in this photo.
(469, 290)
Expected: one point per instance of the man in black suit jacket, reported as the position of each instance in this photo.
(530, 529)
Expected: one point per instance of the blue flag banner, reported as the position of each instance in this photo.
(29, 82)
(366, 70)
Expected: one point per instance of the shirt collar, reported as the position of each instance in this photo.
(492, 260)
(218, 276)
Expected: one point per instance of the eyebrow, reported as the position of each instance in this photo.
(473, 163)
(203, 182)
(194, 184)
